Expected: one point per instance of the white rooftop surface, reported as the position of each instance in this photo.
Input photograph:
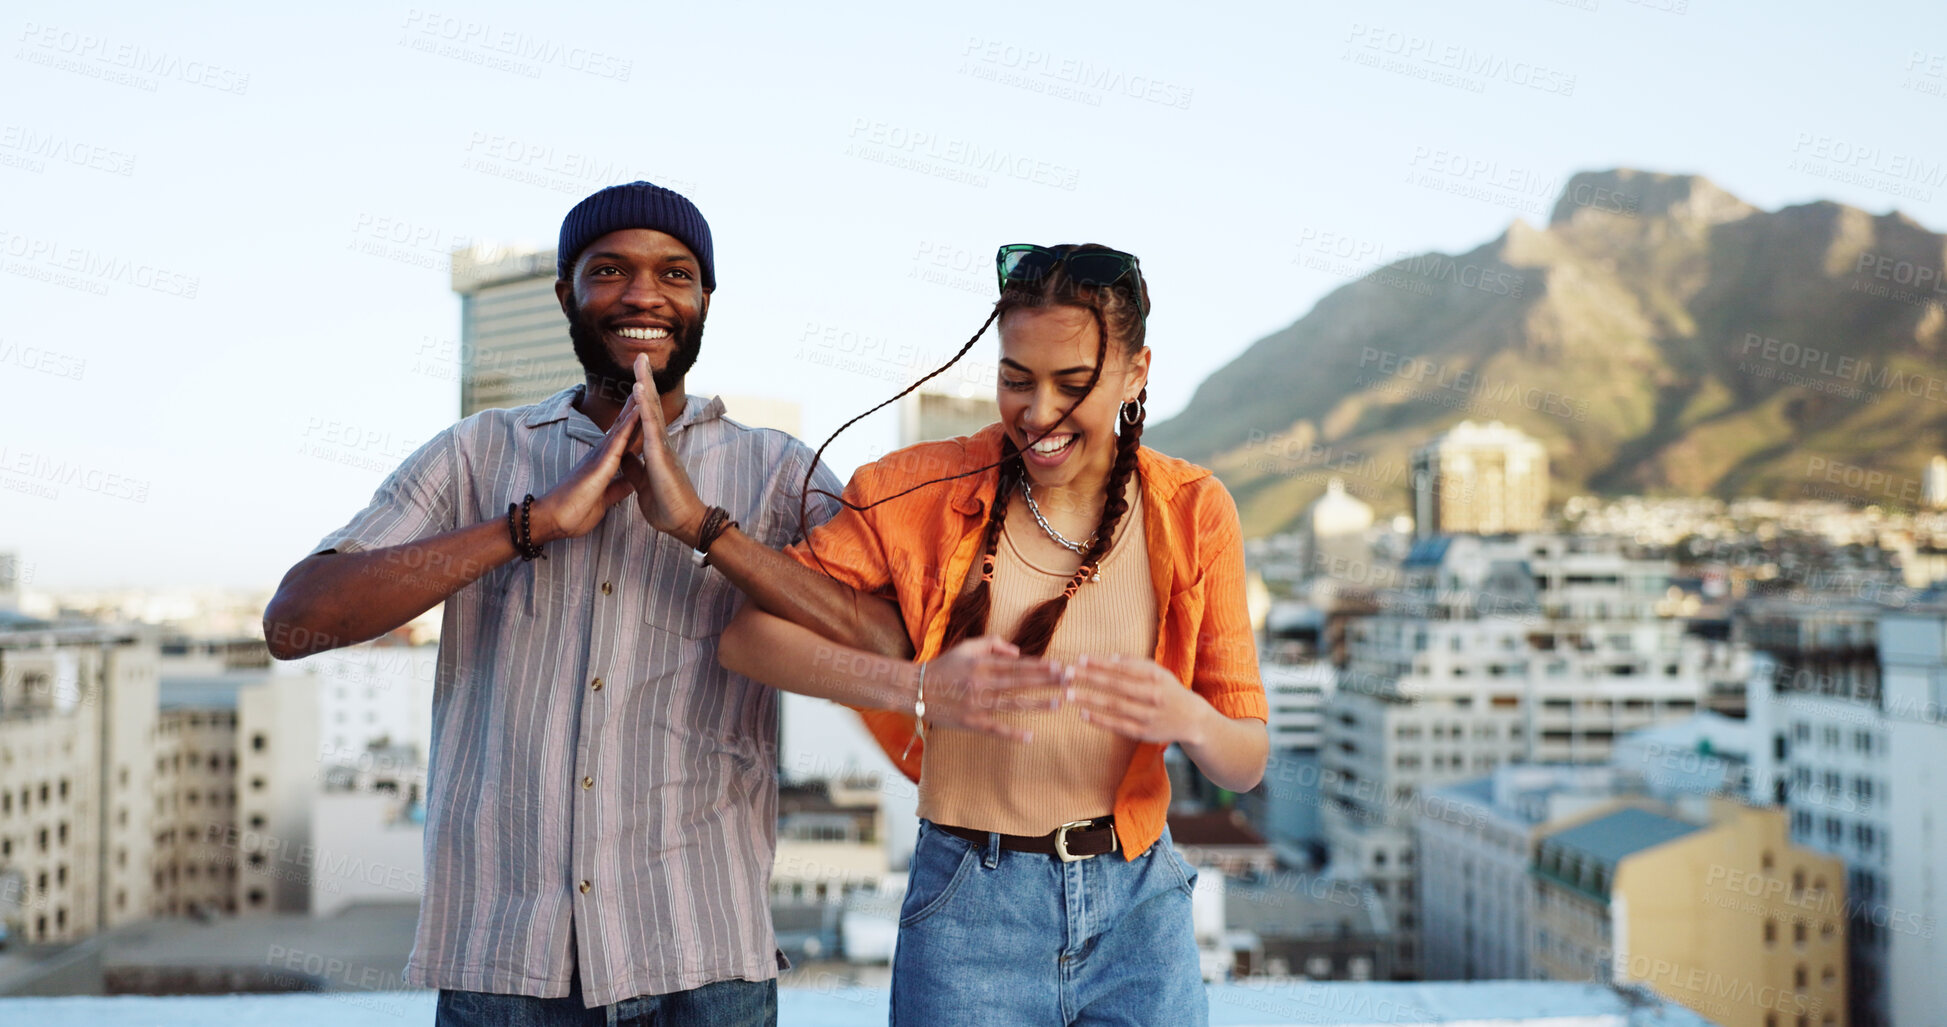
(1311, 1004)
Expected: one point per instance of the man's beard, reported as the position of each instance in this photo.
(616, 381)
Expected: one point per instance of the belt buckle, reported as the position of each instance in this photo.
(1061, 841)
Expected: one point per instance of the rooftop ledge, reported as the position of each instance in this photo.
(1308, 1003)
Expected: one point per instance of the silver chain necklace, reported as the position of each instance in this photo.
(1079, 548)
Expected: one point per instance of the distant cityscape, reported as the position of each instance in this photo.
(1690, 751)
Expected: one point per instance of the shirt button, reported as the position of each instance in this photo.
(596, 684)
(585, 886)
(588, 782)
(607, 588)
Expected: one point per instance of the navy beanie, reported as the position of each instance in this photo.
(635, 205)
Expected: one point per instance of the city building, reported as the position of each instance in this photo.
(1285, 925)
(1715, 909)
(368, 820)
(1476, 842)
(378, 694)
(1334, 527)
(514, 347)
(1222, 841)
(1912, 647)
(1531, 648)
(237, 767)
(196, 797)
(77, 806)
(831, 860)
(1487, 479)
(1933, 483)
(926, 415)
(1825, 756)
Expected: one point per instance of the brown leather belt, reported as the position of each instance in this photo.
(1076, 840)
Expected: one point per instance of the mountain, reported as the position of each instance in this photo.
(1660, 336)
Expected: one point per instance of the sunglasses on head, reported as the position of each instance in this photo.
(1026, 263)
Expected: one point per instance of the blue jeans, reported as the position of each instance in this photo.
(988, 936)
(722, 1004)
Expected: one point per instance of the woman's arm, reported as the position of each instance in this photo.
(964, 688)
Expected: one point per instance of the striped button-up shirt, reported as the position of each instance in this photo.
(594, 771)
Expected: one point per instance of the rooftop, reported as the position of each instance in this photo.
(1306, 1003)
(1609, 839)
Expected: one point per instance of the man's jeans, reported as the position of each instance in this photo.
(723, 1004)
(988, 936)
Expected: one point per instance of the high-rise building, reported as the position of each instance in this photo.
(1913, 667)
(514, 346)
(1816, 708)
(1849, 699)
(1486, 479)
(1530, 648)
(77, 737)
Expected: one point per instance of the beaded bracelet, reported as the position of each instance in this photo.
(523, 537)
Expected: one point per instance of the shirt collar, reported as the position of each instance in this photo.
(561, 407)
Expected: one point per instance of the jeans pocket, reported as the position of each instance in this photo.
(938, 868)
(1186, 874)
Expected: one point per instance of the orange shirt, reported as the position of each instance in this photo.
(918, 549)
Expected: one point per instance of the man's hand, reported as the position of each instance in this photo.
(573, 508)
(981, 677)
(662, 489)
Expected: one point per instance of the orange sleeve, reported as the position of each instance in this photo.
(850, 549)
(1226, 672)
(848, 546)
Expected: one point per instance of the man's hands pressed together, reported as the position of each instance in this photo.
(600, 480)
(662, 488)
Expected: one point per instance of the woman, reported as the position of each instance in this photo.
(1091, 580)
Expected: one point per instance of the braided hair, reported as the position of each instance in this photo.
(1119, 311)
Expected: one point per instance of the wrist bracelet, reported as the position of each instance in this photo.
(716, 521)
(919, 713)
(522, 537)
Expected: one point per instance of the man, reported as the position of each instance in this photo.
(601, 810)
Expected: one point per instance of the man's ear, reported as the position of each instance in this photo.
(564, 293)
(703, 310)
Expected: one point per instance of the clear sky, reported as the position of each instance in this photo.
(224, 311)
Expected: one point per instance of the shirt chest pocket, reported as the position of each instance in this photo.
(682, 598)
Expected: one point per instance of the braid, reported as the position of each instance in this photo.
(969, 615)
